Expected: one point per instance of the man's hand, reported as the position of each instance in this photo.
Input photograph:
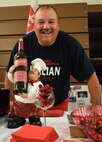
(23, 95)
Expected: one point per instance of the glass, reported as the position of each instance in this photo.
(89, 120)
(45, 99)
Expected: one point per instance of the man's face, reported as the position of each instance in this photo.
(33, 75)
(46, 26)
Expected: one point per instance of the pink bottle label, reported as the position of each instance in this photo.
(20, 62)
(20, 76)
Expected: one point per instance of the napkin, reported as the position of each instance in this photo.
(12, 140)
(52, 113)
(78, 141)
(31, 133)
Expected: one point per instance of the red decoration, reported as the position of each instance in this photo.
(30, 23)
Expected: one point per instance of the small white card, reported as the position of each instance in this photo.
(82, 95)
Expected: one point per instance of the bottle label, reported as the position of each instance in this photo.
(20, 76)
(20, 62)
(72, 99)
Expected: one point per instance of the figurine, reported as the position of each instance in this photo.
(23, 105)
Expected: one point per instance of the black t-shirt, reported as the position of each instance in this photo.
(63, 58)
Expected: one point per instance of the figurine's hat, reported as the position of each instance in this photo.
(39, 64)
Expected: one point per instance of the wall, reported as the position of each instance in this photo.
(4, 3)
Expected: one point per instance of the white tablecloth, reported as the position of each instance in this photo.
(60, 124)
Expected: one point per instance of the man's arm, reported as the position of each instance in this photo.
(94, 89)
(9, 85)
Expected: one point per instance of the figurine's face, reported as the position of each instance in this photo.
(33, 75)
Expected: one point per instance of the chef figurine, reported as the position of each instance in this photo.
(23, 105)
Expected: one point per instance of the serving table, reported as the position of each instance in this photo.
(60, 124)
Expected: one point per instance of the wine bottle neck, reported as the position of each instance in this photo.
(21, 46)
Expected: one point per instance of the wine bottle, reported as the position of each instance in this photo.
(21, 68)
(71, 99)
